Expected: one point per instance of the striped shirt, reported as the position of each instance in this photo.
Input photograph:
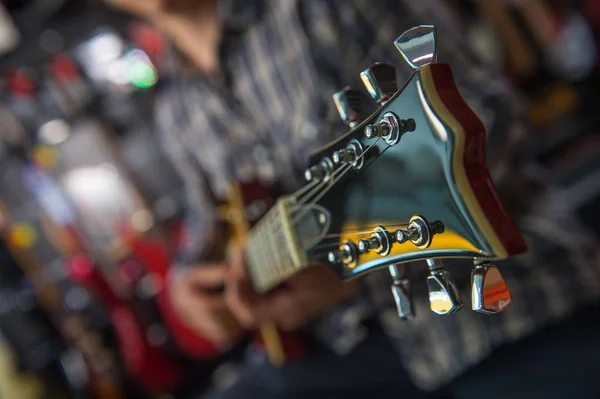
(270, 107)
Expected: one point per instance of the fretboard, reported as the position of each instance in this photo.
(273, 253)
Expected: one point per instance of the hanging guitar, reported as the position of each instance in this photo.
(407, 183)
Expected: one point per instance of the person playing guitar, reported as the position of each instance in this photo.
(254, 103)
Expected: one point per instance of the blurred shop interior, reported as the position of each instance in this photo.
(91, 209)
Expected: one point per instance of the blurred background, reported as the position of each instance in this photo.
(91, 210)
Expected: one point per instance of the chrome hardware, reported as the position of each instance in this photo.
(489, 291)
(390, 128)
(327, 166)
(347, 254)
(322, 171)
(394, 133)
(380, 81)
(343, 156)
(314, 173)
(407, 125)
(443, 294)
(419, 232)
(313, 226)
(380, 241)
(349, 104)
(418, 46)
(334, 257)
(402, 292)
(380, 129)
(351, 154)
(356, 147)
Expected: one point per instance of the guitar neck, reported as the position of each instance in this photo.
(274, 254)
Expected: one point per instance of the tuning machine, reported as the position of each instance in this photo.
(390, 128)
(349, 104)
(381, 242)
(489, 291)
(353, 154)
(380, 81)
(418, 46)
(419, 232)
(321, 171)
(346, 254)
(443, 293)
(402, 292)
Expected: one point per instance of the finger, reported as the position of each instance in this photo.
(205, 275)
(191, 299)
(237, 264)
(243, 301)
(221, 329)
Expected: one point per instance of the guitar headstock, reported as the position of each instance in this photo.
(407, 183)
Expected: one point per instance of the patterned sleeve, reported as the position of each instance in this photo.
(200, 223)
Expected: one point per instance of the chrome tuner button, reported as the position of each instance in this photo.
(443, 294)
(380, 81)
(349, 103)
(418, 46)
(489, 291)
(402, 292)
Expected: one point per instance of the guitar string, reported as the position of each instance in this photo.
(331, 182)
(338, 243)
(363, 229)
(347, 233)
(328, 181)
(319, 186)
(344, 170)
(298, 193)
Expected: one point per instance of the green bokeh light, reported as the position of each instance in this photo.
(142, 75)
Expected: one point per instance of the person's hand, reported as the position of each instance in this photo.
(142, 8)
(198, 299)
(290, 306)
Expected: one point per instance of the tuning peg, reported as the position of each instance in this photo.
(402, 292)
(418, 46)
(420, 232)
(381, 242)
(380, 81)
(349, 103)
(443, 294)
(489, 291)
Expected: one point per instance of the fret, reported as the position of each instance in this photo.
(271, 261)
(274, 254)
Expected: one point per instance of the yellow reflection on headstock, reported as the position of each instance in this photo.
(448, 241)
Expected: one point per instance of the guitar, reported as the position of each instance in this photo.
(407, 183)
